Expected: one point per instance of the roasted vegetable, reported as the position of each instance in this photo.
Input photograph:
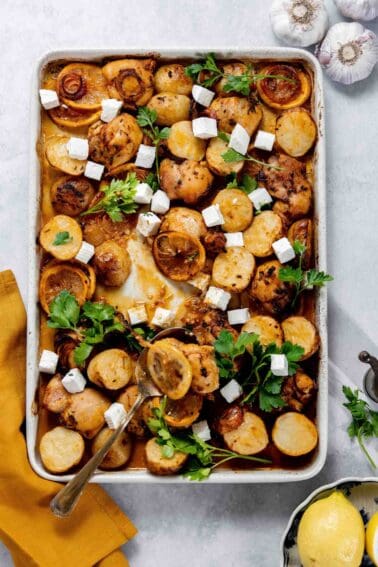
(71, 195)
(266, 228)
(296, 131)
(56, 398)
(294, 434)
(118, 454)
(111, 369)
(274, 294)
(300, 331)
(111, 263)
(68, 117)
(267, 328)
(183, 144)
(157, 464)
(302, 230)
(182, 219)
(235, 110)
(188, 181)
(233, 269)
(248, 438)
(205, 373)
(85, 412)
(61, 236)
(137, 425)
(61, 449)
(171, 78)
(236, 209)
(214, 157)
(57, 156)
(170, 108)
(298, 390)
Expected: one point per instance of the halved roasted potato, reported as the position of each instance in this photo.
(61, 449)
(235, 69)
(157, 464)
(236, 208)
(205, 372)
(233, 110)
(274, 294)
(71, 195)
(297, 390)
(68, 117)
(182, 413)
(294, 434)
(130, 80)
(189, 180)
(302, 230)
(85, 412)
(58, 277)
(269, 118)
(250, 437)
(233, 269)
(292, 90)
(266, 228)
(112, 263)
(118, 454)
(170, 108)
(300, 331)
(111, 369)
(57, 156)
(216, 163)
(268, 329)
(178, 255)
(171, 78)
(55, 397)
(62, 237)
(82, 86)
(182, 219)
(169, 369)
(127, 398)
(182, 142)
(296, 131)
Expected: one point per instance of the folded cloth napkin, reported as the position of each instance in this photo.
(97, 528)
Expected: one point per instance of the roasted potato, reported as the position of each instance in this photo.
(188, 181)
(81, 86)
(230, 419)
(300, 331)
(61, 449)
(99, 227)
(182, 219)
(281, 93)
(57, 156)
(111, 263)
(236, 69)
(250, 437)
(85, 412)
(268, 329)
(130, 80)
(157, 464)
(61, 236)
(170, 108)
(233, 269)
(118, 454)
(236, 208)
(302, 230)
(171, 78)
(215, 161)
(266, 228)
(71, 195)
(294, 434)
(111, 369)
(214, 242)
(182, 413)
(269, 119)
(183, 144)
(55, 398)
(205, 373)
(296, 131)
(169, 369)
(178, 255)
(234, 110)
(274, 294)
(137, 425)
(297, 390)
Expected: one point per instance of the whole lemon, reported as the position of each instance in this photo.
(372, 538)
(331, 533)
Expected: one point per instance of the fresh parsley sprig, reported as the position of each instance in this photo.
(63, 237)
(227, 349)
(246, 183)
(118, 199)
(146, 119)
(232, 155)
(211, 69)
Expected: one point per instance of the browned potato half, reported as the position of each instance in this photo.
(171, 78)
(118, 454)
(71, 195)
(188, 181)
(205, 373)
(170, 108)
(61, 237)
(236, 208)
(137, 425)
(250, 437)
(157, 464)
(85, 412)
(266, 228)
(296, 131)
(297, 390)
(111, 369)
(184, 412)
(294, 434)
(178, 255)
(130, 80)
(229, 420)
(169, 369)
(61, 449)
(233, 269)
(235, 69)
(111, 263)
(216, 163)
(300, 331)
(183, 144)
(269, 118)
(55, 397)
(274, 294)
(233, 110)
(268, 329)
(182, 219)
(302, 230)
(57, 156)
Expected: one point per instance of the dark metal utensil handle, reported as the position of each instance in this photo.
(371, 376)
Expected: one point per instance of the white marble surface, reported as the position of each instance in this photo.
(198, 525)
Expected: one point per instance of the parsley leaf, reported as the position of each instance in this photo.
(146, 119)
(246, 184)
(64, 311)
(118, 198)
(223, 136)
(209, 67)
(227, 349)
(152, 181)
(62, 238)
(231, 155)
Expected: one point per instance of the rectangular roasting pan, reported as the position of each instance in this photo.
(32, 381)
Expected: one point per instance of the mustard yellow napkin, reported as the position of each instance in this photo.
(97, 528)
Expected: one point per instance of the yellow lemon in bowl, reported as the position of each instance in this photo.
(372, 538)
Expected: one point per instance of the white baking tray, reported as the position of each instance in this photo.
(32, 379)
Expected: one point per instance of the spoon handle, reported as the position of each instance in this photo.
(66, 499)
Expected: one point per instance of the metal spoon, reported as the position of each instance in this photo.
(66, 499)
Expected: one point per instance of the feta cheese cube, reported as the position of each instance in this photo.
(94, 170)
(115, 415)
(74, 381)
(160, 202)
(148, 224)
(78, 148)
(231, 391)
(283, 250)
(260, 197)
(162, 317)
(48, 362)
(264, 141)
(143, 194)
(85, 253)
(238, 316)
(212, 216)
(200, 281)
(110, 108)
(239, 139)
(202, 430)
(137, 314)
(49, 98)
(204, 127)
(202, 95)
(217, 298)
(279, 364)
(145, 156)
(234, 239)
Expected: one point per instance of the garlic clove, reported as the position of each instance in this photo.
(358, 9)
(348, 53)
(299, 22)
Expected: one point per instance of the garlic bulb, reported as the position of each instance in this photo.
(358, 9)
(299, 22)
(348, 53)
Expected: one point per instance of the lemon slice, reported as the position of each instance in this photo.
(372, 538)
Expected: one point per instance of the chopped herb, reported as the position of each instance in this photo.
(232, 155)
(224, 136)
(152, 181)
(212, 72)
(246, 183)
(118, 199)
(144, 332)
(227, 349)
(62, 238)
(146, 119)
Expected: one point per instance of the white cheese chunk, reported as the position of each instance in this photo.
(200, 281)
(48, 362)
(78, 148)
(202, 430)
(212, 216)
(231, 391)
(264, 141)
(239, 139)
(202, 95)
(238, 316)
(234, 239)
(283, 250)
(279, 365)
(115, 415)
(260, 197)
(162, 317)
(49, 98)
(217, 298)
(94, 170)
(143, 194)
(137, 315)
(204, 128)
(74, 382)
(148, 224)
(160, 202)
(85, 253)
(110, 108)
(145, 156)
